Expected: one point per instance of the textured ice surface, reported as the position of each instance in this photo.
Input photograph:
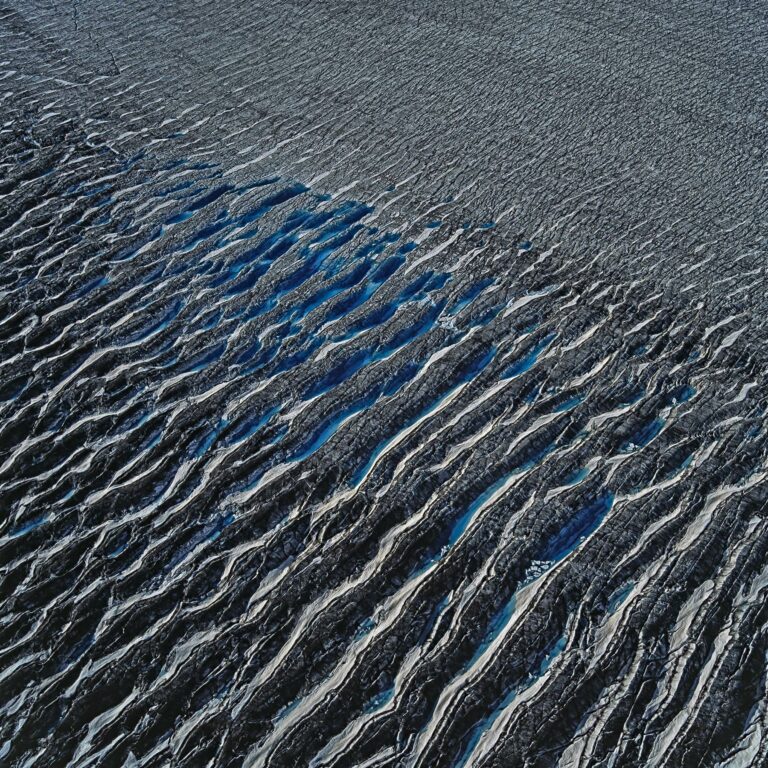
(382, 384)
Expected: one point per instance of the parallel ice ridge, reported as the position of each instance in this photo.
(636, 133)
(286, 485)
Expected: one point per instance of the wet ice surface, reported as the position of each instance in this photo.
(293, 475)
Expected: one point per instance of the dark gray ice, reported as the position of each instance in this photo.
(383, 384)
